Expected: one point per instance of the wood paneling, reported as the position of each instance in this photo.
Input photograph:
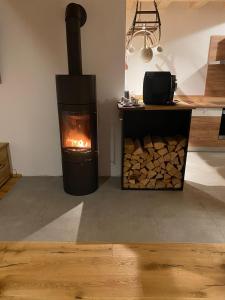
(66, 271)
(205, 132)
(216, 48)
(215, 81)
(5, 166)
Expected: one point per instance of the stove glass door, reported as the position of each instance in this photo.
(76, 132)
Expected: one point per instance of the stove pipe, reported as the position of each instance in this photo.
(75, 18)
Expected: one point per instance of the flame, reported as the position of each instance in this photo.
(78, 143)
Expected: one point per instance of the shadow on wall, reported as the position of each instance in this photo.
(167, 62)
(192, 81)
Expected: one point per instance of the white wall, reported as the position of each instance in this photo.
(32, 51)
(185, 38)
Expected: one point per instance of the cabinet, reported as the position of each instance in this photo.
(206, 124)
(5, 163)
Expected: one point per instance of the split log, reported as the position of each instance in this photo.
(158, 143)
(167, 177)
(142, 177)
(129, 146)
(148, 142)
(151, 174)
(181, 153)
(163, 151)
(151, 184)
(171, 141)
(127, 164)
(137, 166)
(171, 148)
(176, 183)
(127, 156)
(173, 155)
(132, 181)
(138, 148)
(167, 157)
(144, 182)
(150, 166)
(169, 185)
(144, 171)
(156, 155)
(159, 176)
(151, 150)
(157, 165)
(160, 184)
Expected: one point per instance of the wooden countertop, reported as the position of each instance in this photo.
(181, 105)
(184, 103)
(202, 101)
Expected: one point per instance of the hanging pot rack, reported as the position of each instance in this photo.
(146, 23)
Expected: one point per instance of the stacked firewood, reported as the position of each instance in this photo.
(154, 163)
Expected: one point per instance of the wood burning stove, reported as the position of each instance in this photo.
(76, 95)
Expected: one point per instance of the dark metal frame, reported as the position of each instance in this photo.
(151, 26)
(187, 135)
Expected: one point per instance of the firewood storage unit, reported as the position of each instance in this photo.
(154, 147)
(77, 109)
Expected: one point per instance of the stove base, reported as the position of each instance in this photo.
(80, 178)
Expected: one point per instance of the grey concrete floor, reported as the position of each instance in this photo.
(38, 209)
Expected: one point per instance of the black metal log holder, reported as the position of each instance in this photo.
(137, 124)
(76, 94)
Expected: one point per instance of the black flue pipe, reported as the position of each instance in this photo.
(75, 18)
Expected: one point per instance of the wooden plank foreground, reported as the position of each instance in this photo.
(66, 271)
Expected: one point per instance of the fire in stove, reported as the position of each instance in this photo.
(76, 132)
(79, 144)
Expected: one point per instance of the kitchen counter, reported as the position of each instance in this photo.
(181, 105)
(202, 101)
(183, 102)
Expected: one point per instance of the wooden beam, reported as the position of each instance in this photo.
(199, 4)
(164, 3)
